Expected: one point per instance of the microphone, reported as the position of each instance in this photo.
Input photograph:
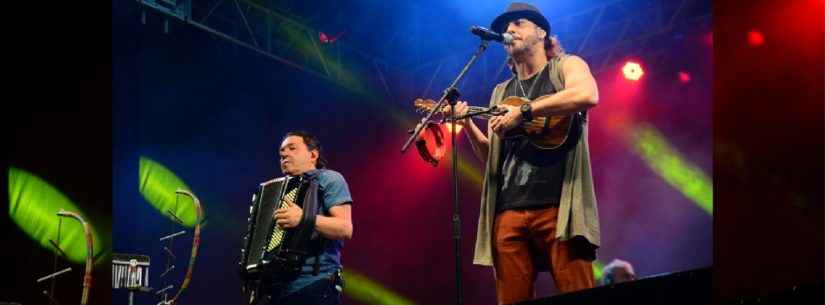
(486, 34)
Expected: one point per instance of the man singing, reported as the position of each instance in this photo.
(538, 206)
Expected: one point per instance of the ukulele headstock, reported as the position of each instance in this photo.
(424, 105)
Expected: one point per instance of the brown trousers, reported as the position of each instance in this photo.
(525, 243)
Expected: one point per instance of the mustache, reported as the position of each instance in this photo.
(516, 35)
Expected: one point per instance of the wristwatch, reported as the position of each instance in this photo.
(526, 112)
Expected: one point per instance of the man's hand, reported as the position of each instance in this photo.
(288, 217)
(501, 124)
(461, 108)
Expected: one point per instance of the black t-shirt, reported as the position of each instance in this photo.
(531, 177)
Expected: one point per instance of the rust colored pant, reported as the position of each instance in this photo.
(525, 243)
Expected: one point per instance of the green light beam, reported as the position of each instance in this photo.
(365, 290)
(158, 184)
(690, 180)
(33, 206)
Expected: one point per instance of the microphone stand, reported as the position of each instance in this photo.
(451, 95)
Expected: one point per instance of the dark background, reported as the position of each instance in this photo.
(57, 119)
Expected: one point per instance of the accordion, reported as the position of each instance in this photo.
(271, 254)
(130, 271)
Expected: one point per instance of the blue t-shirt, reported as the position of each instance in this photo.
(335, 191)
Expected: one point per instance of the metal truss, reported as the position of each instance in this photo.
(638, 28)
(616, 29)
(257, 27)
(603, 33)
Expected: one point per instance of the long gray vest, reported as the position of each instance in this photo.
(578, 215)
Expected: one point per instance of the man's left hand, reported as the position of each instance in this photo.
(501, 124)
(290, 216)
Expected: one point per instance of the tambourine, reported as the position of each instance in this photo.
(430, 143)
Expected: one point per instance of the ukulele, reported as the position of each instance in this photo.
(542, 132)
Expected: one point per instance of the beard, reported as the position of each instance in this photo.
(525, 50)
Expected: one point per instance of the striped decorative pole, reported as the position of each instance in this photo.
(196, 241)
(87, 278)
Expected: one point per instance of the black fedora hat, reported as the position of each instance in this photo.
(516, 11)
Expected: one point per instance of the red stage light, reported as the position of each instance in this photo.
(684, 77)
(632, 71)
(324, 38)
(755, 38)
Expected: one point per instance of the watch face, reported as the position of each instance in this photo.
(525, 112)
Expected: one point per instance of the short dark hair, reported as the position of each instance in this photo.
(311, 142)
